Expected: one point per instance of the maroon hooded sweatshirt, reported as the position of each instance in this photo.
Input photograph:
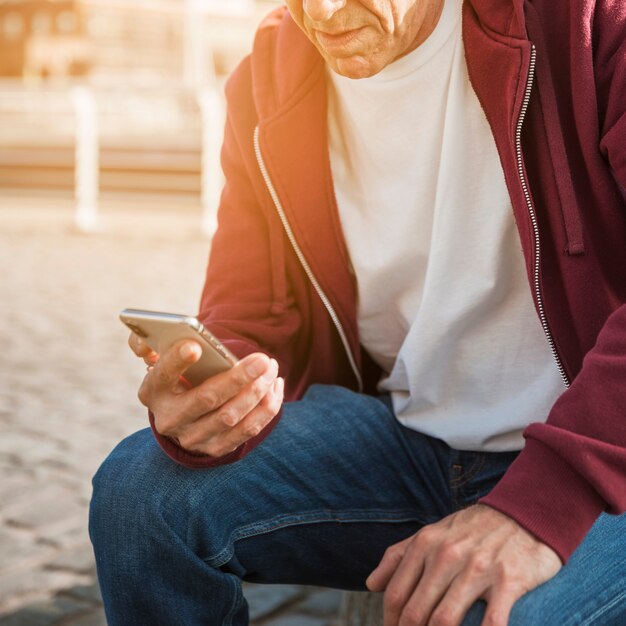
(551, 79)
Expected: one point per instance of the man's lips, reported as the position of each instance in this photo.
(338, 40)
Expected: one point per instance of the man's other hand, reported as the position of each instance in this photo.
(433, 577)
(217, 416)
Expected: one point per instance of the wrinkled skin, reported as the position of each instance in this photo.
(433, 577)
(358, 38)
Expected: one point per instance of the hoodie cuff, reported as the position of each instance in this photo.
(195, 460)
(542, 493)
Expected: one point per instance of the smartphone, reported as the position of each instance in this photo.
(161, 330)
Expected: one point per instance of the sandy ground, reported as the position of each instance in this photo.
(68, 382)
(67, 379)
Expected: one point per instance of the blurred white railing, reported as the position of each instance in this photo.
(87, 159)
(125, 140)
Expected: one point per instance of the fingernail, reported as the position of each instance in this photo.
(189, 351)
(270, 374)
(256, 367)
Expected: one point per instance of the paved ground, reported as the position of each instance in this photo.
(68, 394)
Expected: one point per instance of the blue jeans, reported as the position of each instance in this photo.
(336, 483)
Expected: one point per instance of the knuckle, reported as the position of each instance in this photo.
(228, 418)
(451, 552)
(252, 430)
(240, 377)
(190, 440)
(425, 536)
(152, 358)
(390, 553)
(259, 389)
(209, 400)
(216, 449)
(137, 346)
(443, 617)
(493, 619)
(186, 441)
(501, 570)
(411, 616)
(393, 600)
(167, 423)
(393, 554)
(429, 533)
(480, 563)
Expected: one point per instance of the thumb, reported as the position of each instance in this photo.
(173, 364)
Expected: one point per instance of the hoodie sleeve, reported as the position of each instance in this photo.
(578, 457)
(246, 301)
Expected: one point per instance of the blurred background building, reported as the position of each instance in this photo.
(118, 102)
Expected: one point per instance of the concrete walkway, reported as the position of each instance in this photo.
(68, 388)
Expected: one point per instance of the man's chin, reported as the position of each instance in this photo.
(354, 66)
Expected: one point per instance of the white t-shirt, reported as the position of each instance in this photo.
(444, 302)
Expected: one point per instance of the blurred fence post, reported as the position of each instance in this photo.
(213, 119)
(197, 68)
(86, 158)
(199, 75)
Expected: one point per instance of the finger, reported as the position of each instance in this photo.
(441, 567)
(250, 426)
(240, 405)
(215, 423)
(217, 390)
(171, 365)
(139, 347)
(192, 403)
(379, 578)
(151, 359)
(401, 586)
(258, 418)
(500, 604)
(456, 601)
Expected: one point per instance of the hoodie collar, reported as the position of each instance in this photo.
(503, 19)
(277, 83)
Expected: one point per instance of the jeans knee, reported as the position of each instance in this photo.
(120, 486)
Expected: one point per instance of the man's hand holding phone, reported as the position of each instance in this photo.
(218, 415)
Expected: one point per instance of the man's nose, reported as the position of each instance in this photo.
(322, 10)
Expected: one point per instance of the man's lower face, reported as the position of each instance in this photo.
(358, 38)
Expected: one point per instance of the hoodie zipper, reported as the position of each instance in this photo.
(292, 239)
(531, 210)
(533, 215)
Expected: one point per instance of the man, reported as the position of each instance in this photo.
(377, 240)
